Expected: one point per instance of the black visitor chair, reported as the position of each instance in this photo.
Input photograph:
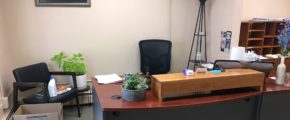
(37, 75)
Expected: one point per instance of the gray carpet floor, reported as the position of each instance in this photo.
(70, 113)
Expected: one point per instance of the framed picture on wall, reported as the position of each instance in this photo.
(83, 3)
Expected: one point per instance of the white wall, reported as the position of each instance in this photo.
(266, 9)
(183, 18)
(224, 15)
(107, 33)
(221, 15)
(2, 49)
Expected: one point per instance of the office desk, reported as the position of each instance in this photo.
(275, 102)
(234, 106)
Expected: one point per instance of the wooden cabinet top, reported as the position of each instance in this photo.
(167, 86)
(179, 76)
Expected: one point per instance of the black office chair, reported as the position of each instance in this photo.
(155, 56)
(37, 75)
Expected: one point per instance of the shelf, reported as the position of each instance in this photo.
(257, 30)
(260, 36)
(257, 26)
(255, 39)
(276, 50)
(270, 36)
(254, 47)
(267, 46)
(255, 43)
(268, 41)
(267, 51)
(256, 35)
(270, 28)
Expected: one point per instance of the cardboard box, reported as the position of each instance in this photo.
(49, 111)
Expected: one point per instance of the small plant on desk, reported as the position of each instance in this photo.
(134, 87)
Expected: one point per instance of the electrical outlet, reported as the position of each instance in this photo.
(5, 102)
(1, 112)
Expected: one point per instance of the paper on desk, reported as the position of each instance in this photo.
(107, 79)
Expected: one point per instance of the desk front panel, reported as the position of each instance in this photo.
(244, 109)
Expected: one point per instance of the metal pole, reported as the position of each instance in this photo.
(193, 38)
(200, 23)
(205, 47)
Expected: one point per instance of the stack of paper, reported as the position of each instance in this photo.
(107, 79)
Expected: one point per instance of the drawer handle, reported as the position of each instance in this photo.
(115, 114)
(247, 99)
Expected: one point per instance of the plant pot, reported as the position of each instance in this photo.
(133, 95)
(81, 81)
(61, 79)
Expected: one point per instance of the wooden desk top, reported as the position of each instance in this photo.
(104, 93)
(179, 76)
(271, 87)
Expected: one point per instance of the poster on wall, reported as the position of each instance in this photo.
(226, 37)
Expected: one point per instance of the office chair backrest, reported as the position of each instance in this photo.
(228, 64)
(155, 56)
(265, 67)
(32, 73)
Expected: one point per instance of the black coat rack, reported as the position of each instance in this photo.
(199, 37)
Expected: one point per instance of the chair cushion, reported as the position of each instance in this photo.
(35, 99)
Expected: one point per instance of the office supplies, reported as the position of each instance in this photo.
(201, 70)
(187, 72)
(52, 87)
(107, 79)
(215, 71)
(209, 66)
(238, 53)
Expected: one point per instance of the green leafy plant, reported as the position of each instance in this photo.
(135, 82)
(74, 63)
(59, 59)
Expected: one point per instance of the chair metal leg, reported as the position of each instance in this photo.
(78, 106)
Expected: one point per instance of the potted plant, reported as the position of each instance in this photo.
(134, 87)
(74, 64)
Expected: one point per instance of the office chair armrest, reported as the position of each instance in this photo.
(62, 73)
(16, 86)
(29, 84)
(34, 84)
(66, 73)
